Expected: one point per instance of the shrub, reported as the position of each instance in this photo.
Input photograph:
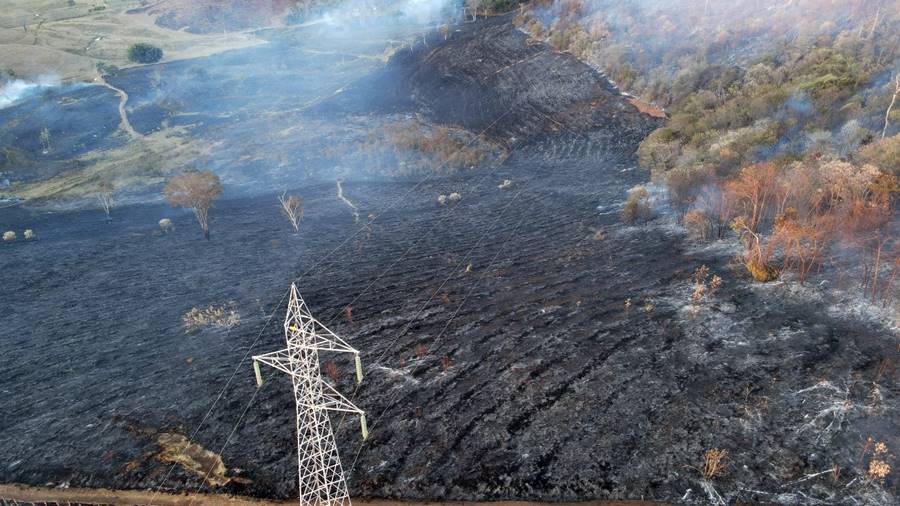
(884, 154)
(165, 225)
(454, 198)
(637, 206)
(222, 317)
(698, 225)
(9, 236)
(713, 463)
(144, 53)
(29, 235)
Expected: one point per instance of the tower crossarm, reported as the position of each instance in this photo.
(278, 359)
(318, 336)
(334, 401)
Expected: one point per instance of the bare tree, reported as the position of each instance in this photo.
(887, 115)
(105, 196)
(292, 207)
(195, 190)
(472, 6)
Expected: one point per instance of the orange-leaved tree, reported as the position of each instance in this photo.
(195, 190)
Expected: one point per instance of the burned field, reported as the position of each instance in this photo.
(522, 343)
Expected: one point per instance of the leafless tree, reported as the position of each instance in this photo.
(196, 190)
(887, 115)
(292, 207)
(105, 196)
(472, 6)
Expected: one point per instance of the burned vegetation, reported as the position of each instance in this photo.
(561, 292)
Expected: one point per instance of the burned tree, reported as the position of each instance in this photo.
(105, 196)
(196, 190)
(292, 207)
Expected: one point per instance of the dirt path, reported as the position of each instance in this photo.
(128, 497)
(123, 114)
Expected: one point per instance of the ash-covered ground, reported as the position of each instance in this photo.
(521, 344)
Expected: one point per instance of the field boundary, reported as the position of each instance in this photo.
(65, 496)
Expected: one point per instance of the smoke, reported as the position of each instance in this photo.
(18, 89)
(357, 13)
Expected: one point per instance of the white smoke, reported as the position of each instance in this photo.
(17, 89)
(421, 12)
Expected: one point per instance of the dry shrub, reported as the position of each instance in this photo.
(704, 286)
(441, 146)
(885, 154)
(221, 317)
(757, 258)
(698, 225)
(878, 468)
(637, 206)
(713, 463)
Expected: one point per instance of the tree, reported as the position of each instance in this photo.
(754, 190)
(472, 6)
(637, 206)
(887, 115)
(292, 207)
(105, 196)
(144, 53)
(195, 190)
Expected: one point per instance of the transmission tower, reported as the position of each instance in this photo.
(321, 477)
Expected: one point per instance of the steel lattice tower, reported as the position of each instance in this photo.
(321, 477)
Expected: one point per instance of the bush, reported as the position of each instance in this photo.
(698, 225)
(9, 236)
(165, 225)
(29, 235)
(637, 206)
(222, 317)
(144, 53)
(884, 154)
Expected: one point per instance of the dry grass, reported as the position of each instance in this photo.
(49, 36)
(443, 147)
(647, 108)
(713, 463)
(141, 163)
(177, 449)
(222, 317)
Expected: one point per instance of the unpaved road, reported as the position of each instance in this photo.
(22, 494)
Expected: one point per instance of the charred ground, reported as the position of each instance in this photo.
(511, 350)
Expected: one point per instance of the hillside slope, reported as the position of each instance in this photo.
(491, 77)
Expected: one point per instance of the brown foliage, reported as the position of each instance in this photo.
(698, 225)
(442, 146)
(195, 190)
(753, 191)
(884, 154)
(637, 206)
